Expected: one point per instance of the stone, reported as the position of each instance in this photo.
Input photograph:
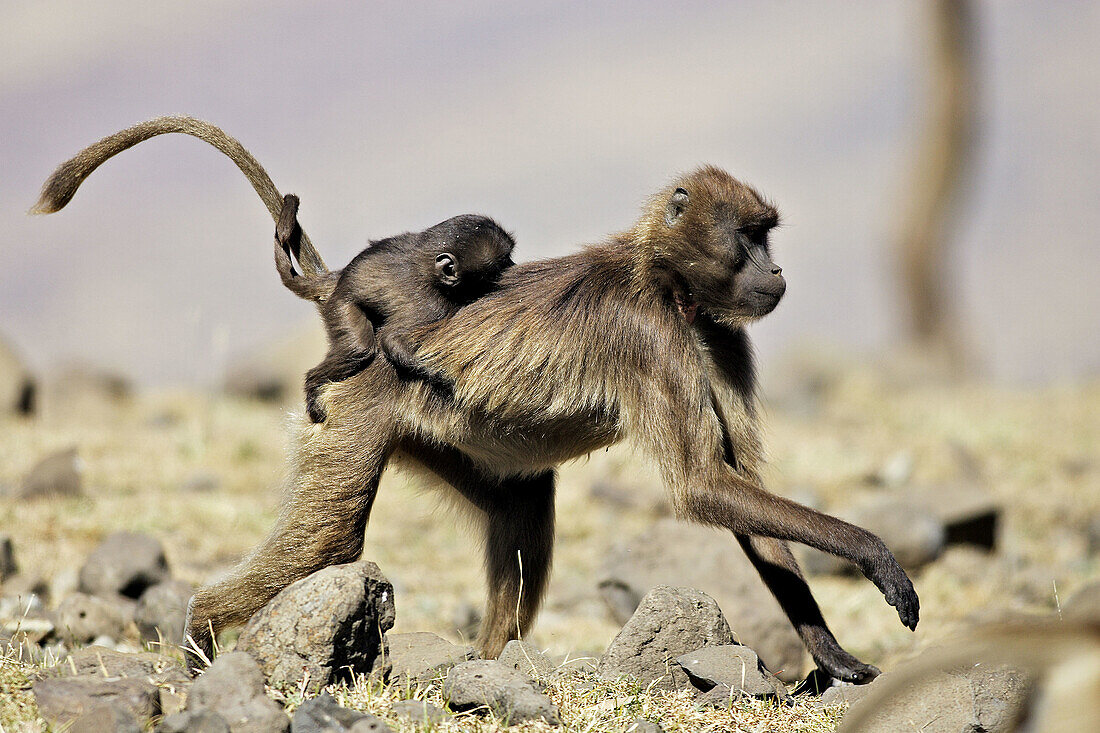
(24, 620)
(273, 371)
(323, 714)
(526, 659)
(58, 474)
(81, 618)
(505, 692)
(1084, 605)
(8, 566)
(913, 533)
(669, 622)
(842, 694)
(330, 624)
(969, 513)
(202, 482)
(683, 554)
(641, 725)
(619, 496)
(18, 389)
(733, 666)
(161, 611)
(421, 656)
(233, 687)
(419, 712)
(979, 698)
(65, 700)
(126, 564)
(466, 620)
(97, 660)
(1092, 537)
(193, 721)
(370, 724)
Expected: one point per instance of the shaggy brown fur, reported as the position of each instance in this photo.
(566, 356)
(638, 338)
(398, 284)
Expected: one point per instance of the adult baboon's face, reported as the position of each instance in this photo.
(724, 226)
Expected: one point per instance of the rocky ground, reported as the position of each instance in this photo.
(115, 504)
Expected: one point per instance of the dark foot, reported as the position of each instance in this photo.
(198, 645)
(898, 590)
(836, 663)
(315, 409)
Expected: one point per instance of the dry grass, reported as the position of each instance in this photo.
(1036, 451)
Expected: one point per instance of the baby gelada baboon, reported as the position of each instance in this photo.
(395, 286)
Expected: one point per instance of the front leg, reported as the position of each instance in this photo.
(779, 570)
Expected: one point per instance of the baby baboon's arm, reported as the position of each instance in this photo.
(352, 347)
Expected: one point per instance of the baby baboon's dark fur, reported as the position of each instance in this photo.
(398, 285)
(640, 337)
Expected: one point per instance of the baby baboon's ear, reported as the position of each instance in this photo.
(677, 203)
(445, 269)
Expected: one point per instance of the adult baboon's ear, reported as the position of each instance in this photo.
(676, 205)
(445, 269)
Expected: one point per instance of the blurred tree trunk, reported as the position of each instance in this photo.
(940, 169)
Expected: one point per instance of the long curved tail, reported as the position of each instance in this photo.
(289, 239)
(61, 186)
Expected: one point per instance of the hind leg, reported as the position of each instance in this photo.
(519, 539)
(321, 524)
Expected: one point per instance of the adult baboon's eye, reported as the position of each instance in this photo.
(676, 205)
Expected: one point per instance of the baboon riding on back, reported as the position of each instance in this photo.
(640, 337)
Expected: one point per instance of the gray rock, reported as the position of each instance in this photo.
(504, 691)
(669, 622)
(97, 660)
(969, 513)
(18, 389)
(65, 700)
(1092, 536)
(58, 474)
(913, 533)
(81, 618)
(162, 610)
(233, 687)
(527, 660)
(323, 714)
(273, 372)
(126, 564)
(419, 712)
(1084, 605)
(421, 656)
(981, 698)
(466, 620)
(734, 666)
(202, 482)
(682, 554)
(845, 694)
(193, 721)
(641, 725)
(8, 566)
(370, 724)
(105, 719)
(327, 625)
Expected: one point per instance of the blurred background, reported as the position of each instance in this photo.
(558, 119)
(931, 374)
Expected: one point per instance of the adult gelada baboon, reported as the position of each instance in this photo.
(639, 338)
